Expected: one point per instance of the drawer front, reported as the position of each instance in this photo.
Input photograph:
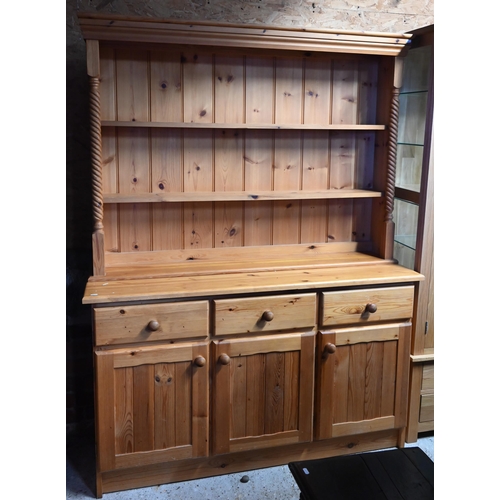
(150, 322)
(367, 306)
(258, 314)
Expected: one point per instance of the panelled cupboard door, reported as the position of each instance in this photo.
(362, 382)
(263, 392)
(152, 404)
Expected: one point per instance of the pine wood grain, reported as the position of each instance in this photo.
(167, 177)
(229, 85)
(247, 126)
(315, 175)
(124, 324)
(191, 286)
(198, 89)
(317, 91)
(166, 86)
(134, 178)
(350, 306)
(228, 176)
(157, 407)
(276, 375)
(246, 315)
(287, 176)
(199, 33)
(249, 196)
(361, 385)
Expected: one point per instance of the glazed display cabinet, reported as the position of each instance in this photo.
(413, 215)
(248, 309)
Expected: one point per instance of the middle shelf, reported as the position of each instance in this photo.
(242, 126)
(176, 197)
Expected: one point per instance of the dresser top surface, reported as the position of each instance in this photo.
(125, 289)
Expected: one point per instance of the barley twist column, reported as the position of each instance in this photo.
(96, 163)
(392, 154)
(387, 249)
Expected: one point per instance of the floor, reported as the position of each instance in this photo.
(271, 483)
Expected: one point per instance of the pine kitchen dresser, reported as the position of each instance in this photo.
(247, 308)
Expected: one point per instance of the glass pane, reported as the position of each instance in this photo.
(405, 220)
(404, 255)
(416, 69)
(409, 167)
(412, 111)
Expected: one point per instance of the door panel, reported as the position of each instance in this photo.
(362, 379)
(152, 404)
(263, 392)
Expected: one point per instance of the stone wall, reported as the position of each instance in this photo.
(368, 15)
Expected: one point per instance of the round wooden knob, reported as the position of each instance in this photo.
(153, 325)
(200, 361)
(330, 348)
(267, 315)
(371, 308)
(224, 359)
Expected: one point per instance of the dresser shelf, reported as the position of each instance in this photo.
(239, 196)
(242, 126)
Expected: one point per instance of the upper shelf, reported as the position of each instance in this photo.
(265, 126)
(149, 30)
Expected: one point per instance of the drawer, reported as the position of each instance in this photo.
(150, 322)
(259, 314)
(367, 306)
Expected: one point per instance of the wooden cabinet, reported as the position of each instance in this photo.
(248, 310)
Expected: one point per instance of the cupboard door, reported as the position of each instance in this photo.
(362, 380)
(263, 392)
(152, 404)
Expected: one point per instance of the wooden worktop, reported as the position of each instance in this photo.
(353, 270)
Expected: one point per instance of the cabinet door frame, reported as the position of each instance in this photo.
(334, 378)
(248, 346)
(107, 361)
